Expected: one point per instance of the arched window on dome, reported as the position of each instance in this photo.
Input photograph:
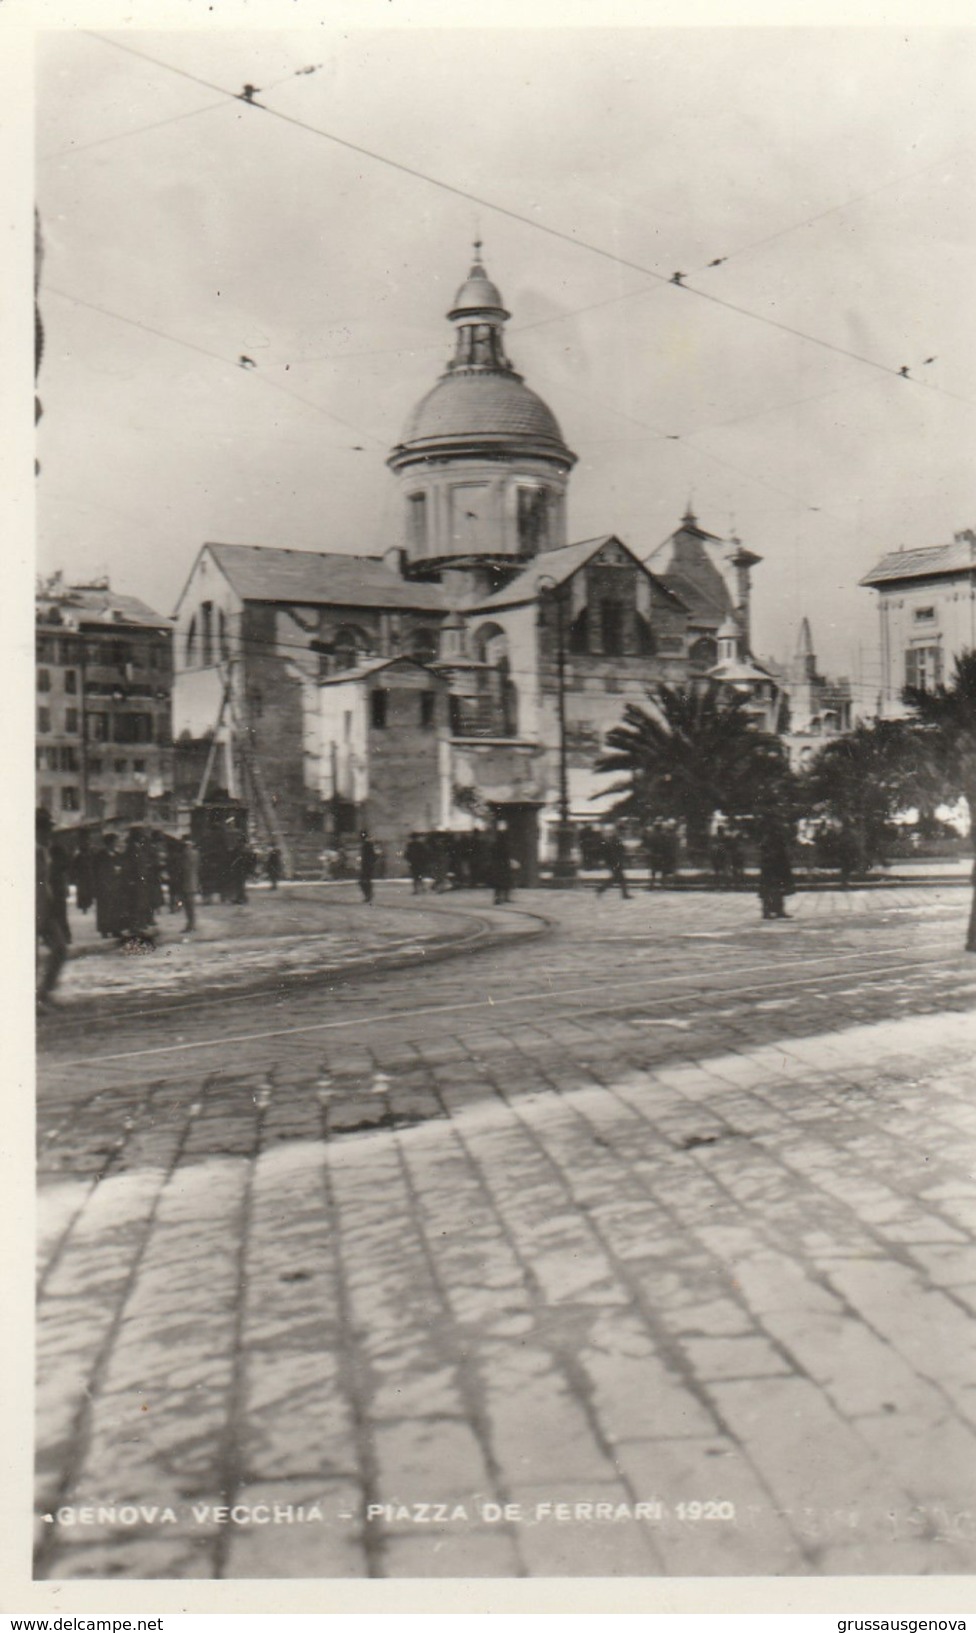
(417, 523)
(534, 516)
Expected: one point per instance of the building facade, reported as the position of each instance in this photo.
(104, 681)
(927, 609)
(478, 663)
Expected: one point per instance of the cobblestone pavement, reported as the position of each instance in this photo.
(644, 1248)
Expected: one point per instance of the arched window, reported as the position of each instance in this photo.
(491, 647)
(579, 634)
(533, 519)
(417, 522)
(422, 645)
(490, 644)
(704, 651)
(206, 633)
(190, 652)
(349, 646)
(646, 644)
(222, 643)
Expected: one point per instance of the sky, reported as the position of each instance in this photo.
(830, 170)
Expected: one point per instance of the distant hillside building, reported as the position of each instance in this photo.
(927, 603)
(344, 691)
(104, 680)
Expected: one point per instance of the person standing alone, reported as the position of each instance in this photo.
(615, 857)
(367, 866)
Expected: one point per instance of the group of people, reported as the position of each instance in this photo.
(727, 858)
(450, 860)
(128, 879)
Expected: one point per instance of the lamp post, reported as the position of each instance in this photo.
(565, 867)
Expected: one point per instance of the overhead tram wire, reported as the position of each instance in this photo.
(216, 357)
(540, 226)
(141, 130)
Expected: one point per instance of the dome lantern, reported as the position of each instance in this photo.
(482, 462)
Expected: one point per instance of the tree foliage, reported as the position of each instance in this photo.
(692, 752)
(946, 732)
(862, 780)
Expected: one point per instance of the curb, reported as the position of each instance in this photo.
(287, 983)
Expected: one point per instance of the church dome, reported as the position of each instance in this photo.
(492, 406)
(480, 403)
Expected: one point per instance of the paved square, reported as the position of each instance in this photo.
(642, 1247)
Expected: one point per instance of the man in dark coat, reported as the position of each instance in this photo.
(58, 870)
(367, 866)
(415, 855)
(775, 871)
(615, 858)
(137, 884)
(500, 872)
(84, 873)
(273, 866)
(47, 918)
(189, 880)
(239, 868)
(108, 887)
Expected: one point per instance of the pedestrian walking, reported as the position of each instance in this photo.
(415, 855)
(58, 870)
(775, 871)
(239, 868)
(273, 866)
(615, 858)
(137, 886)
(189, 881)
(108, 887)
(500, 868)
(367, 866)
(47, 919)
(83, 871)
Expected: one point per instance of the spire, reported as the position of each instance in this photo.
(804, 640)
(804, 659)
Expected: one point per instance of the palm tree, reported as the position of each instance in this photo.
(693, 752)
(947, 731)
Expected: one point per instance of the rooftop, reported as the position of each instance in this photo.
(557, 565)
(926, 562)
(485, 403)
(260, 572)
(77, 604)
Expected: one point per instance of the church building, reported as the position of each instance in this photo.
(477, 662)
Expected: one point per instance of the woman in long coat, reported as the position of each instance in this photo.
(107, 868)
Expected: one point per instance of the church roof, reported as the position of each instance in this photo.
(484, 404)
(260, 572)
(704, 608)
(557, 565)
(926, 562)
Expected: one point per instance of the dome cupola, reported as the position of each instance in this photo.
(482, 461)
